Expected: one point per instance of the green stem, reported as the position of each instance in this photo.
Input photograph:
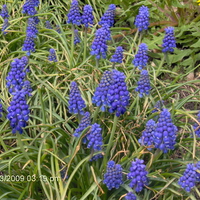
(140, 38)
(113, 65)
(85, 44)
(161, 64)
(20, 144)
(72, 48)
(95, 114)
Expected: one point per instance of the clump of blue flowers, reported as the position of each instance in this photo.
(48, 25)
(31, 30)
(190, 177)
(52, 55)
(118, 55)
(85, 122)
(76, 37)
(138, 175)
(143, 84)
(130, 196)
(5, 26)
(165, 133)
(87, 17)
(76, 103)
(29, 45)
(142, 19)
(4, 12)
(196, 127)
(109, 15)
(74, 16)
(29, 7)
(169, 42)
(96, 157)
(147, 137)
(113, 176)
(141, 58)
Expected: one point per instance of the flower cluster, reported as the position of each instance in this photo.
(109, 15)
(141, 58)
(147, 137)
(143, 84)
(96, 157)
(76, 37)
(95, 140)
(165, 133)
(74, 15)
(1, 110)
(76, 103)
(138, 175)
(85, 122)
(5, 26)
(118, 56)
(130, 196)
(29, 45)
(196, 126)
(158, 106)
(190, 176)
(4, 12)
(113, 176)
(142, 19)
(48, 25)
(29, 7)
(31, 30)
(52, 55)
(87, 17)
(169, 42)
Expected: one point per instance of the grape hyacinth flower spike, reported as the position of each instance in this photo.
(31, 30)
(113, 176)
(48, 25)
(143, 84)
(76, 103)
(196, 126)
(74, 16)
(29, 7)
(5, 26)
(4, 12)
(141, 58)
(52, 55)
(142, 19)
(138, 175)
(76, 37)
(118, 56)
(165, 133)
(87, 17)
(169, 42)
(1, 109)
(130, 196)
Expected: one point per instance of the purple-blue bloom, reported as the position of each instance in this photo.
(76, 103)
(141, 58)
(138, 175)
(158, 106)
(58, 29)
(5, 26)
(1, 109)
(130, 196)
(52, 55)
(29, 8)
(29, 45)
(87, 17)
(74, 15)
(196, 127)
(118, 55)
(96, 157)
(48, 25)
(31, 30)
(169, 42)
(4, 12)
(76, 37)
(143, 84)
(165, 133)
(113, 176)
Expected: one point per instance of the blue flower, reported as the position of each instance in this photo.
(29, 45)
(169, 42)
(29, 8)
(4, 12)
(96, 157)
(76, 103)
(48, 25)
(196, 127)
(130, 196)
(141, 58)
(94, 137)
(37, 20)
(87, 17)
(118, 56)
(5, 26)
(113, 176)
(76, 37)
(147, 138)
(31, 30)
(52, 55)
(74, 15)
(36, 3)
(165, 133)
(109, 15)
(143, 84)
(142, 19)
(158, 106)
(58, 29)
(1, 110)
(138, 175)
(190, 177)
(85, 122)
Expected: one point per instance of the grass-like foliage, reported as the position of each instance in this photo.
(97, 100)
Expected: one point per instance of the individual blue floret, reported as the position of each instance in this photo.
(94, 137)
(130, 196)
(31, 30)
(169, 42)
(190, 177)
(36, 19)
(143, 84)
(76, 37)
(36, 3)
(96, 157)
(52, 55)
(85, 122)
(196, 127)
(5, 26)
(87, 17)
(18, 112)
(141, 58)
(118, 95)
(48, 25)
(1, 109)
(142, 19)
(74, 15)
(158, 106)
(4, 12)
(76, 103)
(29, 8)
(138, 175)
(147, 138)
(113, 176)
(109, 15)
(29, 45)
(118, 56)
(165, 133)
